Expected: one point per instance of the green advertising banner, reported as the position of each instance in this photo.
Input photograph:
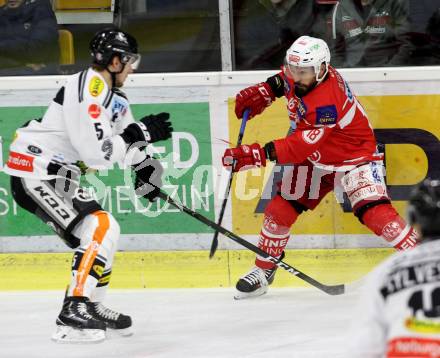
(188, 176)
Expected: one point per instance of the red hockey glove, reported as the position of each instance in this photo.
(256, 98)
(246, 156)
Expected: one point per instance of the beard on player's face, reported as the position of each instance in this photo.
(302, 89)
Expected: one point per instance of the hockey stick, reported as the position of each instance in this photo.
(329, 289)
(214, 243)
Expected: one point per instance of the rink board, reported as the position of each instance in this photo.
(403, 105)
(187, 269)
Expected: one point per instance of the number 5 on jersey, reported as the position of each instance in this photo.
(99, 131)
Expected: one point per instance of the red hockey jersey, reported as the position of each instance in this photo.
(332, 128)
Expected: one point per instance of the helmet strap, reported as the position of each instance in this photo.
(318, 69)
(113, 74)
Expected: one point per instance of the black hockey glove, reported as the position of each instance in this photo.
(151, 129)
(148, 178)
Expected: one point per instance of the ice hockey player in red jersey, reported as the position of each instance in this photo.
(331, 145)
(398, 314)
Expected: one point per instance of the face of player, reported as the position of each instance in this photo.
(303, 77)
(129, 67)
(121, 77)
(13, 4)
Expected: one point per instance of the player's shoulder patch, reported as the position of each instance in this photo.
(92, 86)
(326, 115)
(96, 86)
(312, 136)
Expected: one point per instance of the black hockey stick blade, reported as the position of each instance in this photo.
(214, 243)
(329, 289)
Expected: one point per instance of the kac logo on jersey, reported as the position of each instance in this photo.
(312, 136)
(96, 86)
(326, 115)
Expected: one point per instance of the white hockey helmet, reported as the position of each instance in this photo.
(309, 51)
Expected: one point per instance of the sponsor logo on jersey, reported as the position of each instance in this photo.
(96, 86)
(21, 162)
(375, 29)
(107, 148)
(94, 110)
(315, 157)
(119, 108)
(348, 92)
(312, 136)
(32, 149)
(326, 115)
(422, 326)
(296, 108)
(413, 347)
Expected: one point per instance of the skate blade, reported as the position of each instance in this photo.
(65, 334)
(114, 333)
(244, 295)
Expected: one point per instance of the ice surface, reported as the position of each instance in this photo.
(188, 323)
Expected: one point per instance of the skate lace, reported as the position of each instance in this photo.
(82, 309)
(255, 276)
(106, 312)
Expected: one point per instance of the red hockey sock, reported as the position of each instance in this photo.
(385, 222)
(275, 233)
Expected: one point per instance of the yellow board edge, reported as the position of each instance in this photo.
(187, 269)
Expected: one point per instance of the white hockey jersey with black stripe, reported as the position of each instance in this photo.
(82, 123)
(399, 311)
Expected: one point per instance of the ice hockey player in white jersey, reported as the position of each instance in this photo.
(88, 124)
(399, 311)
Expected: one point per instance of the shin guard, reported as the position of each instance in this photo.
(92, 261)
(385, 222)
(275, 233)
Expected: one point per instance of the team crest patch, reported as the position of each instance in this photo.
(326, 115)
(96, 86)
(312, 136)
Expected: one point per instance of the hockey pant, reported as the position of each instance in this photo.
(304, 186)
(81, 223)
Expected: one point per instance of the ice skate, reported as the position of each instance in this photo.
(255, 283)
(116, 321)
(75, 324)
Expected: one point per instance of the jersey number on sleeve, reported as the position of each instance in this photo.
(99, 131)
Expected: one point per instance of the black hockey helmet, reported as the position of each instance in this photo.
(112, 42)
(424, 207)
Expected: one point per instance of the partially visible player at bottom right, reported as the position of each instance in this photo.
(399, 311)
